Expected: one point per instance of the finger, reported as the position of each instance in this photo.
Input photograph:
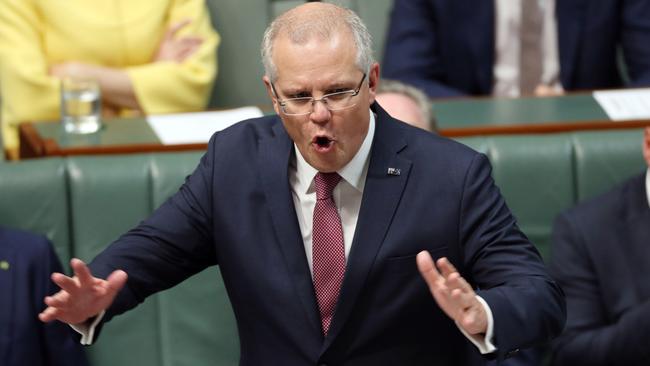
(190, 40)
(48, 315)
(116, 280)
(82, 272)
(455, 280)
(66, 283)
(427, 268)
(59, 300)
(445, 266)
(461, 300)
(171, 32)
(186, 53)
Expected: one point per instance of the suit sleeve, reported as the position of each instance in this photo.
(590, 338)
(174, 243)
(62, 349)
(28, 92)
(507, 270)
(185, 86)
(412, 53)
(635, 39)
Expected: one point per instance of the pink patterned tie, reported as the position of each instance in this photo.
(328, 249)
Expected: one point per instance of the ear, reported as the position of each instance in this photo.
(269, 91)
(373, 82)
(646, 145)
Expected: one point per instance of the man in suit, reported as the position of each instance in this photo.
(600, 257)
(315, 217)
(26, 262)
(472, 47)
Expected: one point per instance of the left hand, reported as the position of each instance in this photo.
(453, 294)
(543, 90)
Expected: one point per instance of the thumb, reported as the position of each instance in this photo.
(117, 280)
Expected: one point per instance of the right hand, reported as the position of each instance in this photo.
(177, 49)
(82, 296)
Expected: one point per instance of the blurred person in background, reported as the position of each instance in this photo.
(147, 56)
(600, 257)
(26, 261)
(516, 48)
(406, 103)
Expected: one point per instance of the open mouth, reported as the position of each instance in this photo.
(322, 143)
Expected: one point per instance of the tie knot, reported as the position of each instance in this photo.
(325, 183)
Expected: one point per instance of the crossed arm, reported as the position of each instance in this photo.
(115, 84)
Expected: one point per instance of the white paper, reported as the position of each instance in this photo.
(625, 104)
(196, 128)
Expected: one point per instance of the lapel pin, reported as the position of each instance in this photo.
(394, 171)
(4, 265)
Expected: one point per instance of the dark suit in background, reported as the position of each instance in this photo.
(26, 262)
(236, 210)
(601, 258)
(447, 47)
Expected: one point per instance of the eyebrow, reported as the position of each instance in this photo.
(334, 85)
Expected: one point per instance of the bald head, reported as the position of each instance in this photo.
(320, 21)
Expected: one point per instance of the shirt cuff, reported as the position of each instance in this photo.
(87, 329)
(482, 342)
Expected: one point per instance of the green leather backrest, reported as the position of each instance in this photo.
(602, 160)
(537, 183)
(191, 324)
(34, 197)
(542, 175)
(241, 24)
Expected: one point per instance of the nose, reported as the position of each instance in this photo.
(320, 114)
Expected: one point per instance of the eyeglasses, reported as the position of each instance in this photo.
(332, 101)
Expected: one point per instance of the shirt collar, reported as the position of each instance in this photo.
(353, 172)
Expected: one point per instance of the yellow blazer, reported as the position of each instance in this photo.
(35, 34)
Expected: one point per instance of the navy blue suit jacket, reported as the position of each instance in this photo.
(27, 262)
(236, 210)
(447, 47)
(601, 258)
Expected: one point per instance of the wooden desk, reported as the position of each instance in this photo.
(455, 118)
(495, 116)
(117, 136)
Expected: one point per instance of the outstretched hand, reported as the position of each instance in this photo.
(453, 294)
(82, 296)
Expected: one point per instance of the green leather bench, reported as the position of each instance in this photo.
(83, 203)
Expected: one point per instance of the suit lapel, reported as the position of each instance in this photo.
(381, 195)
(570, 15)
(275, 154)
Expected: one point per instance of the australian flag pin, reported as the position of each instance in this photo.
(394, 171)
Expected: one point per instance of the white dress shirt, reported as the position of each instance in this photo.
(507, 24)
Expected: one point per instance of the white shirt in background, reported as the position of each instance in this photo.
(507, 45)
